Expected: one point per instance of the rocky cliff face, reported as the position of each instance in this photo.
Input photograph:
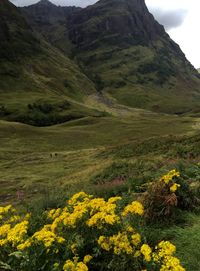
(123, 21)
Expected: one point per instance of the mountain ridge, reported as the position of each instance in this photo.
(38, 84)
(101, 56)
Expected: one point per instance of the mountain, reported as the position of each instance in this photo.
(50, 21)
(127, 54)
(38, 84)
(15, 34)
(198, 70)
(59, 63)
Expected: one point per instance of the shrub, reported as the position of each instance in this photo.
(87, 234)
(4, 111)
(166, 196)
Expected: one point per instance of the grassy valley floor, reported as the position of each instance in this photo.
(105, 156)
(33, 158)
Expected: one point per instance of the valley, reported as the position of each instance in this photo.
(99, 141)
(68, 153)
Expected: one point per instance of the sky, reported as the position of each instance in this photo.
(180, 18)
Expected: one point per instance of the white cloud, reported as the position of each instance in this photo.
(186, 35)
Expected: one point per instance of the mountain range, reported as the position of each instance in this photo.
(62, 63)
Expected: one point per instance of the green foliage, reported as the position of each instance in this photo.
(97, 233)
(3, 111)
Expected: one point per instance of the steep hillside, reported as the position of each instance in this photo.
(51, 21)
(16, 36)
(38, 84)
(132, 58)
(127, 54)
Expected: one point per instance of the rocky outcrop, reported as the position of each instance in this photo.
(123, 21)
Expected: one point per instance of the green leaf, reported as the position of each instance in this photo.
(5, 266)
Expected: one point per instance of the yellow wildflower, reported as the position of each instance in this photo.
(16, 234)
(75, 265)
(25, 245)
(129, 229)
(87, 259)
(5, 210)
(165, 248)
(4, 229)
(14, 219)
(169, 176)
(146, 252)
(174, 187)
(104, 243)
(171, 263)
(81, 196)
(118, 242)
(134, 208)
(135, 239)
(47, 237)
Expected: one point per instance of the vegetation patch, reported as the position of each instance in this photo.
(87, 234)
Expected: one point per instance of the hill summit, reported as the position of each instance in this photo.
(116, 22)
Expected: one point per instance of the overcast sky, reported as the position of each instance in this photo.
(180, 17)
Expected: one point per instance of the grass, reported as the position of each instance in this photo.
(125, 81)
(48, 77)
(106, 156)
(186, 237)
(72, 153)
(108, 146)
(187, 241)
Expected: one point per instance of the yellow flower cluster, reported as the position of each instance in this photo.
(134, 208)
(168, 180)
(45, 236)
(171, 263)
(174, 187)
(169, 176)
(76, 265)
(5, 210)
(146, 252)
(123, 242)
(98, 212)
(13, 235)
(70, 229)
(76, 198)
(119, 243)
(4, 229)
(164, 255)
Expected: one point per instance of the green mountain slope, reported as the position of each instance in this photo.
(54, 22)
(38, 84)
(127, 54)
(132, 58)
(17, 38)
